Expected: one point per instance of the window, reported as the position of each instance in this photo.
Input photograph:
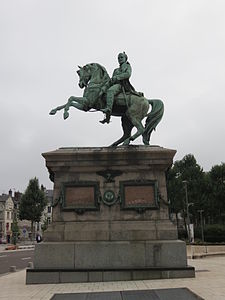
(8, 215)
(49, 209)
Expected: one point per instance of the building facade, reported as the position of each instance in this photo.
(6, 217)
(9, 210)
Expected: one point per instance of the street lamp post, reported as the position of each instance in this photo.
(202, 231)
(187, 210)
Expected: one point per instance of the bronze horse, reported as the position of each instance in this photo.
(131, 108)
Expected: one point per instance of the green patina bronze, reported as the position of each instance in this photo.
(117, 97)
(109, 198)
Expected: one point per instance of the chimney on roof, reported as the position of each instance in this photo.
(10, 193)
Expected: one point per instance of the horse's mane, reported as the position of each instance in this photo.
(104, 73)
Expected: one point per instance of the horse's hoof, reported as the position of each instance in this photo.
(126, 143)
(113, 145)
(65, 115)
(145, 142)
(53, 112)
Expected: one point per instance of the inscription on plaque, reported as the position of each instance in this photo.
(139, 195)
(79, 196)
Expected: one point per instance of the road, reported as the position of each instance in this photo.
(17, 258)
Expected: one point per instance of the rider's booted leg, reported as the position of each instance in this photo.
(111, 93)
(109, 102)
(106, 120)
(109, 105)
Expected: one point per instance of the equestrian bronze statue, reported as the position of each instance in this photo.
(116, 97)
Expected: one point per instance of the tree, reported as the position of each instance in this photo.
(44, 226)
(32, 203)
(175, 192)
(216, 201)
(187, 170)
(15, 231)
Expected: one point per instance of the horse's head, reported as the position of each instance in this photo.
(84, 75)
(94, 73)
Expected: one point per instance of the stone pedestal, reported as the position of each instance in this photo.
(110, 218)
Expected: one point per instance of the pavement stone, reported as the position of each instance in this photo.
(208, 284)
(160, 294)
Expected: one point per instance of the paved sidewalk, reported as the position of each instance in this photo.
(200, 251)
(208, 284)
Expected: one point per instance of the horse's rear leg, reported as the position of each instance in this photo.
(140, 130)
(127, 127)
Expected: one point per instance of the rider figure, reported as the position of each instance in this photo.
(119, 83)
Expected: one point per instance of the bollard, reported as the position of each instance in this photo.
(12, 269)
(30, 265)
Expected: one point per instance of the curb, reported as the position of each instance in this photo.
(202, 255)
(26, 247)
(18, 248)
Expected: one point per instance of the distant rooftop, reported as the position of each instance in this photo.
(3, 197)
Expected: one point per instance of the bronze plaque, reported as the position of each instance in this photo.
(139, 195)
(77, 196)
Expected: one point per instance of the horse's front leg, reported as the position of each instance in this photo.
(65, 106)
(54, 110)
(77, 102)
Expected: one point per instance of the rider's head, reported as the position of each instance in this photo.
(122, 58)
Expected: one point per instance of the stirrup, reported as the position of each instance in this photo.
(103, 121)
(107, 119)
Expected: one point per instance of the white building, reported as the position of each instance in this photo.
(6, 216)
(9, 207)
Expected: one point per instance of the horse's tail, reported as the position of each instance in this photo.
(153, 118)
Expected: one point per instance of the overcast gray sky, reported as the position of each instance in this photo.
(177, 52)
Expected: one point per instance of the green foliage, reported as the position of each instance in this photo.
(33, 202)
(15, 231)
(216, 199)
(182, 234)
(175, 190)
(206, 190)
(15, 227)
(187, 170)
(44, 226)
(214, 233)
